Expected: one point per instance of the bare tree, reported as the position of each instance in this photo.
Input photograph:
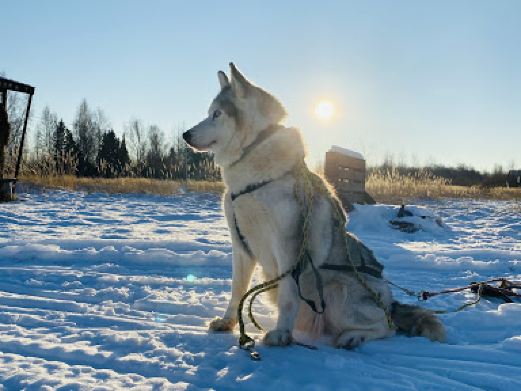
(156, 139)
(101, 126)
(38, 143)
(136, 140)
(45, 132)
(155, 152)
(84, 131)
(16, 106)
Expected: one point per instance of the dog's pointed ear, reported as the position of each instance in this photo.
(223, 79)
(240, 84)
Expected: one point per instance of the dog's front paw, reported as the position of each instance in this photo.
(220, 324)
(350, 339)
(278, 338)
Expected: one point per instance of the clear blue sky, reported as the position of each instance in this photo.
(436, 81)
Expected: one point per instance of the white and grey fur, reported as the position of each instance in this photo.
(269, 218)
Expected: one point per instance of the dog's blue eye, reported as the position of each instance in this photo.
(216, 114)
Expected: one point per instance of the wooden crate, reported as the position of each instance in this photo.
(345, 170)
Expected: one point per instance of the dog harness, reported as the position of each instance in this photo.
(375, 271)
(307, 185)
(265, 134)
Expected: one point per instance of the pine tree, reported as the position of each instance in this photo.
(171, 163)
(59, 147)
(70, 154)
(84, 129)
(108, 156)
(123, 157)
(154, 157)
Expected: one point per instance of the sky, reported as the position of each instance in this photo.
(423, 82)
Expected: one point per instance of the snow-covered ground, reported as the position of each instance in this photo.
(115, 291)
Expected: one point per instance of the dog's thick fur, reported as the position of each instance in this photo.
(269, 218)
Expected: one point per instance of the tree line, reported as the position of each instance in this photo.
(91, 148)
(461, 175)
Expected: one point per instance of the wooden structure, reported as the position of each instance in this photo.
(8, 185)
(514, 178)
(345, 170)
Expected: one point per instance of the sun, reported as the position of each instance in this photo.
(325, 110)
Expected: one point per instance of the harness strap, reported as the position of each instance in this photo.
(250, 188)
(263, 135)
(351, 269)
(247, 190)
(242, 238)
(318, 283)
(257, 185)
(266, 133)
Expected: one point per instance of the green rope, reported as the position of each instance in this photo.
(253, 297)
(408, 292)
(245, 341)
(317, 181)
(308, 182)
(465, 305)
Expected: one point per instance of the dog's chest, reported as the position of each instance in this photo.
(266, 220)
(254, 220)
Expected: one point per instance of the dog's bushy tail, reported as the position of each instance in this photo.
(415, 321)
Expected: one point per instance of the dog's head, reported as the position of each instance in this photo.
(236, 116)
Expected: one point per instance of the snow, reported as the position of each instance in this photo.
(346, 152)
(116, 291)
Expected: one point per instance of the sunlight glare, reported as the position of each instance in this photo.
(324, 110)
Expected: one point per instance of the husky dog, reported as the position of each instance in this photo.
(258, 157)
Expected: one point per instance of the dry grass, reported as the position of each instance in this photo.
(386, 187)
(121, 185)
(391, 187)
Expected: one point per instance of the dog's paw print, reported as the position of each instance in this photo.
(278, 338)
(220, 324)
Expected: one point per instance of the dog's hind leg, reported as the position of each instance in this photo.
(352, 317)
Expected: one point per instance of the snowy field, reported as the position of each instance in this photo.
(115, 291)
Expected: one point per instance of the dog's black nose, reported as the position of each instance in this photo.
(187, 136)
